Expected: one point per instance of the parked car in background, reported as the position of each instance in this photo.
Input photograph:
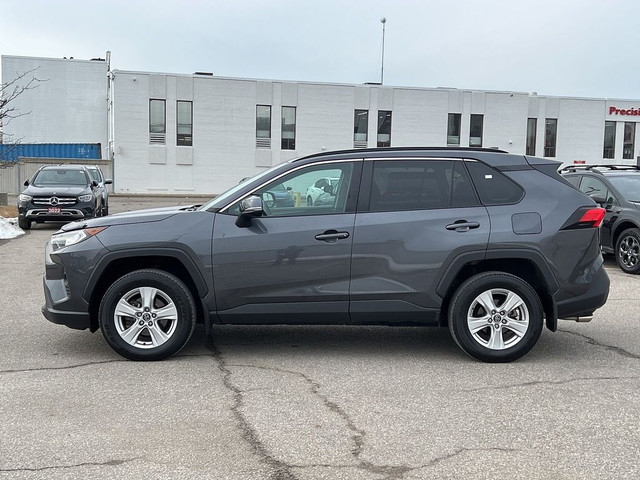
(617, 189)
(278, 196)
(319, 187)
(96, 174)
(491, 245)
(59, 193)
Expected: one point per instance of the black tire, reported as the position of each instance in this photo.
(105, 210)
(628, 251)
(309, 201)
(518, 329)
(23, 223)
(147, 332)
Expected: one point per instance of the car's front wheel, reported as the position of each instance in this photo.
(309, 201)
(23, 223)
(628, 250)
(495, 317)
(147, 315)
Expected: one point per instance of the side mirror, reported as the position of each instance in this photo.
(26, 183)
(249, 207)
(598, 199)
(108, 181)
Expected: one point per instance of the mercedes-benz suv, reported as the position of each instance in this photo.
(59, 193)
(491, 245)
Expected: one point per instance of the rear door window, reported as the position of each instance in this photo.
(420, 185)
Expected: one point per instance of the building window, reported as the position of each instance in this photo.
(360, 128)
(184, 120)
(550, 134)
(532, 126)
(384, 128)
(263, 126)
(475, 130)
(453, 129)
(629, 140)
(288, 128)
(157, 121)
(609, 150)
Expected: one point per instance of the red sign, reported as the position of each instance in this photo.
(579, 162)
(622, 111)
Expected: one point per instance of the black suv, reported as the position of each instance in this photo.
(617, 189)
(59, 193)
(489, 244)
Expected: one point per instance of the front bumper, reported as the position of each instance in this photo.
(63, 288)
(37, 213)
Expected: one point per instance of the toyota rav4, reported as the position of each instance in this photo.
(491, 245)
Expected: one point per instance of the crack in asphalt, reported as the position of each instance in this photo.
(545, 382)
(281, 471)
(390, 472)
(613, 348)
(66, 367)
(108, 463)
(90, 364)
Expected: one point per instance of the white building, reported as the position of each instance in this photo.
(68, 105)
(188, 134)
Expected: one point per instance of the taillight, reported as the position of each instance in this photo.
(593, 217)
(585, 217)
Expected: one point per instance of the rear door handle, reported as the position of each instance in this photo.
(462, 226)
(331, 235)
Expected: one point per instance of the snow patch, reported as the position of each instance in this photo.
(9, 229)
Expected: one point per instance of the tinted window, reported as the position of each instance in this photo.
(95, 174)
(628, 186)
(493, 187)
(419, 185)
(594, 186)
(574, 180)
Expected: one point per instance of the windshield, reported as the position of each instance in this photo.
(60, 177)
(628, 186)
(224, 198)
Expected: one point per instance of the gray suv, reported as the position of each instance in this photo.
(488, 244)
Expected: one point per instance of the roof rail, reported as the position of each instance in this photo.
(576, 168)
(402, 149)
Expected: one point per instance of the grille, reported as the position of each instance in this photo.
(61, 201)
(263, 143)
(157, 138)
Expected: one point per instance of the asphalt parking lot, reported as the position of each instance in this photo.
(312, 402)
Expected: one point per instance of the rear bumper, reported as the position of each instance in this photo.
(590, 300)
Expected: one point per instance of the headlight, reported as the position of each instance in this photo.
(25, 198)
(85, 198)
(61, 240)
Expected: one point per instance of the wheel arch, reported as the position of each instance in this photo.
(618, 229)
(117, 264)
(528, 265)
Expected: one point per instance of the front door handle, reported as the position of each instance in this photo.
(331, 236)
(462, 226)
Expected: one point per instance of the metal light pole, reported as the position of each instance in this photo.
(384, 24)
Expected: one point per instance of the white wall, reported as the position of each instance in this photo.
(68, 106)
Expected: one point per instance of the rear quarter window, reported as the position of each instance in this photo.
(493, 187)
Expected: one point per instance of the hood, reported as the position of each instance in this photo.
(136, 216)
(58, 190)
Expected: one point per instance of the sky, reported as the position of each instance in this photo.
(585, 48)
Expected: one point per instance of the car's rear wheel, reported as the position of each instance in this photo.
(147, 315)
(628, 250)
(23, 223)
(105, 210)
(495, 317)
(309, 201)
